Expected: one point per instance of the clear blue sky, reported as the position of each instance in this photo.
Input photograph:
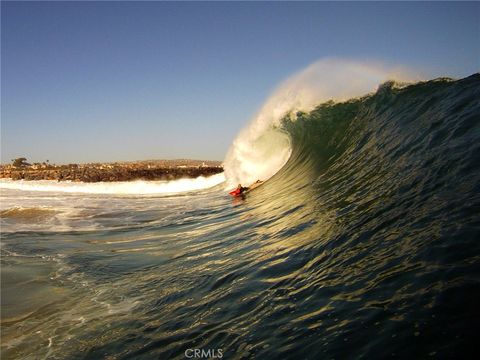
(107, 81)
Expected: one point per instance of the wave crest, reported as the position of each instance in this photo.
(263, 148)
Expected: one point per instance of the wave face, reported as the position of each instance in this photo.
(420, 133)
(363, 244)
(375, 216)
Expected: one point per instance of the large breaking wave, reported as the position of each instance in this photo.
(362, 244)
(263, 147)
(379, 198)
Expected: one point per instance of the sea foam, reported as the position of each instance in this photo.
(139, 187)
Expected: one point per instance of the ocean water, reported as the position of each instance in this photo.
(363, 243)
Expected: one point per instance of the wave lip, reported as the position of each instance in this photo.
(121, 188)
(263, 148)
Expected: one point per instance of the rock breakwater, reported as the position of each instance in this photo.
(111, 172)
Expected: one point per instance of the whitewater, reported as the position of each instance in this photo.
(361, 243)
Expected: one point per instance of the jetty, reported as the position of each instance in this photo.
(115, 171)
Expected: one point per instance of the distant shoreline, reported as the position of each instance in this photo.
(149, 170)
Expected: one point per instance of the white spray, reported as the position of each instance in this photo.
(262, 148)
(121, 187)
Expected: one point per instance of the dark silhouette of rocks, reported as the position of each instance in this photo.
(125, 171)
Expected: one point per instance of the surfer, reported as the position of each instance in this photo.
(240, 190)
